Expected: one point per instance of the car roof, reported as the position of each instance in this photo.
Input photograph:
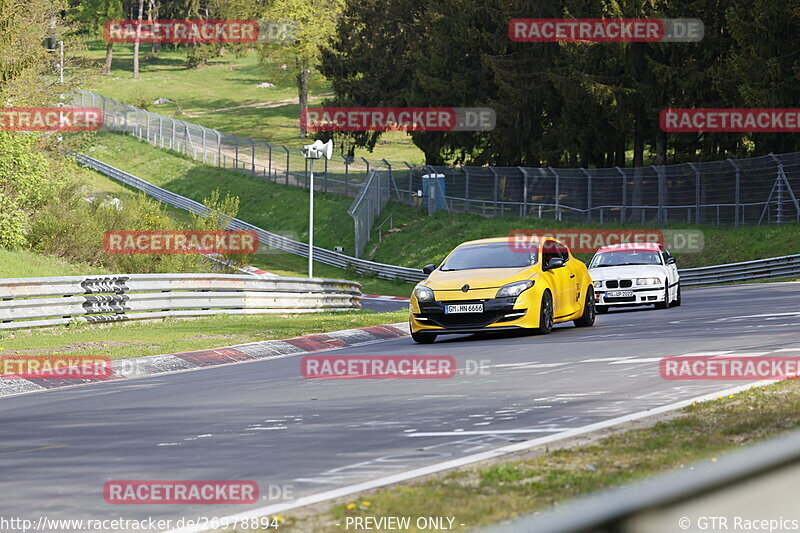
(510, 238)
(633, 247)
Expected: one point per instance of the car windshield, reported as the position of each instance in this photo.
(491, 255)
(628, 257)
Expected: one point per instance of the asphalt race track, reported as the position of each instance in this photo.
(262, 421)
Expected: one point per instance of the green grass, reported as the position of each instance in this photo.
(486, 494)
(24, 264)
(201, 95)
(136, 339)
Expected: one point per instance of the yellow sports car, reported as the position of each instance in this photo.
(495, 285)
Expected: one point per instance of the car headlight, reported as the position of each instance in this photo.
(598, 284)
(514, 289)
(423, 293)
(648, 281)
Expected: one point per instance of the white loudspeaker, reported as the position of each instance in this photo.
(319, 149)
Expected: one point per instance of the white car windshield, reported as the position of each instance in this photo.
(627, 257)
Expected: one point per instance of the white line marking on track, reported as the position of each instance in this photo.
(607, 359)
(633, 361)
(466, 460)
(488, 432)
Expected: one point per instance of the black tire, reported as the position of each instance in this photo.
(423, 337)
(677, 302)
(587, 319)
(601, 309)
(545, 314)
(665, 303)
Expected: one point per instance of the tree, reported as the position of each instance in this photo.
(312, 24)
(136, 41)
(92, 15)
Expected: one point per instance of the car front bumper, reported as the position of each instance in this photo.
(641, 296)
(498, 314)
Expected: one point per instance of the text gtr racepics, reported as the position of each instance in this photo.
(491, 285)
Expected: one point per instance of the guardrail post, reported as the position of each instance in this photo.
(736, 193)
(624, 195)
(524, 206)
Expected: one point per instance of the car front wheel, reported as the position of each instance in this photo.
(665, 303)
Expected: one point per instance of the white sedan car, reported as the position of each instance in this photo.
(634, 274)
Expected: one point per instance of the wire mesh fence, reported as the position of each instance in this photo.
(760, 190)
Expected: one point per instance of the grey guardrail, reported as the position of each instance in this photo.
(267, 238)
(737, 484)
(772, 268)
(37, 302)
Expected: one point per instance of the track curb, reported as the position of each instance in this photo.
(154, 365)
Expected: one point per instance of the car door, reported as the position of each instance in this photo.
(571, 274)
(672, 273)
(557, 279)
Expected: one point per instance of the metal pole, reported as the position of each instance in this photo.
(236, 161)
(696, 193)
(589, 196)
(466, 188)
(624, 195)
(346, 176)
(204, 144)
(524, 192)
(736, 215)
(311, 224)
(287, 165)
(557, 198)
(660, 216)
(219, 146)
(494, 190)
(410, 181)
(252, 156)
(270, 161)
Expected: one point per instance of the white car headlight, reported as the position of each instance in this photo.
(648, 281)
(514, 289)
(598, 284)
(423, 293)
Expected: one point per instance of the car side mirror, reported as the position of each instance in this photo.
(427, 269)
(555, 262)
(671, 261)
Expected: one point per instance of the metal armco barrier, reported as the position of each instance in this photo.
(772, 268)
(35, 302)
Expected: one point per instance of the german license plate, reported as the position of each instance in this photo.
(463, 308)
(619, 294)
